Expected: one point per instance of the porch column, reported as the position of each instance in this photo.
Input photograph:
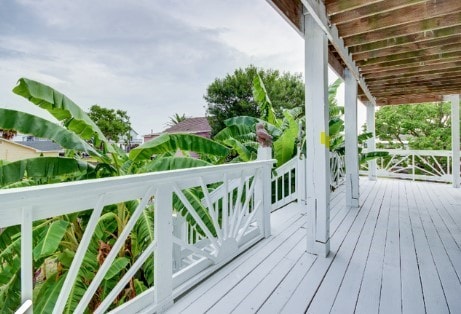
(455, 139)
(352, 154)
(371, 145)
(317, 139)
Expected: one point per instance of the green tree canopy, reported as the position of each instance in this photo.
(232, 95)
(424, 126)
(114, 124)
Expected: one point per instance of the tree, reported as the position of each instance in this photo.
(114, 124)
(232, 95)
(176, 118)
(424, 126)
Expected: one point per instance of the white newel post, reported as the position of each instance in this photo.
(317, 138)
(352, 154)
(371, 142)
(263, 190)
(163, 257)
(455, 139)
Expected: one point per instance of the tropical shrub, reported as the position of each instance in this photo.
(56, 240)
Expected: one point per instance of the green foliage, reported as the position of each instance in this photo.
(233, 96)
(114, 124)
(424, 126)
(176, 118)
(56, 240)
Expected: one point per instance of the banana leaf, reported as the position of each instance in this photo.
(170, 143)
(42, 168)
(173, 163)
(39, 127)
(284, 147)
(63, 109)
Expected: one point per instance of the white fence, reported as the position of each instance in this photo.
(426, 165)
(226, 225)
(286, 186)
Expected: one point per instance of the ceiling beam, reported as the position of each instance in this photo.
(392, 49)
(335, 6)
(412, 54)
(371, 9)
(412, 62)
(420, 26)
(410, 99)
(439, 76)
(318, 11)
(415, 71)
(405, 15)
(447, 89)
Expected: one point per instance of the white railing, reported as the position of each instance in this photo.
(426, 165)
(182, 255)
(287, 181)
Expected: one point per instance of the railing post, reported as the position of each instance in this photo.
(163, 256)
(301, 179)
(179, 231)
(263, 191)
(26, 257)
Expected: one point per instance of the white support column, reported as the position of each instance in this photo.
(455, 139)
(317, 139)
(371, 144)
(352, 160)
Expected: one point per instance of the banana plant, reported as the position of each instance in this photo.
(56, 239)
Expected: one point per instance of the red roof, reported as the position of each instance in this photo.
(190, 125)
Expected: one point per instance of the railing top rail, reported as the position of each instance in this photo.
(407, 152)
(63, 198)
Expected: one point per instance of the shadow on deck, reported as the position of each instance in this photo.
(400, 252)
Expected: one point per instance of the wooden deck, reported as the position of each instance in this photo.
(399, 253)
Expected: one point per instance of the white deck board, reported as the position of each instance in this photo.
(400, 252)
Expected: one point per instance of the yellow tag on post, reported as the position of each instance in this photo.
(325, 139)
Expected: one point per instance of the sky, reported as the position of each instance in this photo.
(152, 58)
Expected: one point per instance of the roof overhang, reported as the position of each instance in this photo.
(400, 51)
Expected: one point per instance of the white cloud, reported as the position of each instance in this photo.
(150, 58)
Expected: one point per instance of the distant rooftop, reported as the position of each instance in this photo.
(190, 125)
(44, 146)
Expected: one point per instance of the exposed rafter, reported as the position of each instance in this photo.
(405, 51)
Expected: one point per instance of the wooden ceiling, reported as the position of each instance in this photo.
(408, 51)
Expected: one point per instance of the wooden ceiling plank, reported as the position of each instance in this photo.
(413, 79)
(371, 9)
(408, 47)
(445, 91)
(444, 67)
(424, 25)
(415, 88)
(411, 99)
(337, 6)
(405, 15)
(412, 54)
(291, 11)
(411, 63)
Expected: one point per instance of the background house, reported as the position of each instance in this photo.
(197, 126)
(12, 151)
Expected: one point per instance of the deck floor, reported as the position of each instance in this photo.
(400, 252)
